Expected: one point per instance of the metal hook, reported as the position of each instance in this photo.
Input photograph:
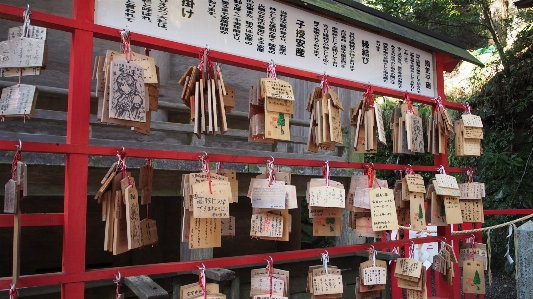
(118, 277)
(19, 147)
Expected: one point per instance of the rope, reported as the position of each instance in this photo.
(488, 228)
(489, 252)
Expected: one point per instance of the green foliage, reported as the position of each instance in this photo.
(457, 19)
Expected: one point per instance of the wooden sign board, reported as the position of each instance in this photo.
(281, 106)
(409, 269)
(272, 196)
(327, 196)
(194, 289)
(212, 203)
(374, 275)
(453, 210)
(18, 100)
(147, 63)
(266, 225)
(277, 89)
(204, 233)
(472, 190)
(315, 212)
(120, 234)
(227, 227)
(127, 100)
(415, 183)
(379, 124)
(383, 209)
(22, 52)
(365, 295)
(132, 218)
(10, 197)
(470, 120)
(327, 284)
(148, 232)
(414, 294)
(364, 227)
(438, 210)
(417, 211)
(473, 277)
(327, 226)
(277, 125)
(261, 286)
(446, 181)
(472, 210)
(291, 199)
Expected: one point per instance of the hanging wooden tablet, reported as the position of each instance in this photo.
(11, 197)
(383, 209)
(33, 32)
(120, 227)
(473, 277)
(18, 100)
(145, 182)
(132, 217)
(211, 202)
(127, 94)
(148, 232)
(204, 233)
(193, 290)
(22, 52)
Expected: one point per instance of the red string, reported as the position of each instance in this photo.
(369, 97)
(17, 158)
(271, 172)
(439, 106)
(208, 62)
(468, 109)
(118, 283)
(409, 103)
(121, 154)
(473, 243)
(270, 273)
(409, 170)
(125, 46)
(13, 293)
(205, 168)
(201, 281)
(372, 177)
(325, 84)
(469, 173)
(271, 71)
(325, 172)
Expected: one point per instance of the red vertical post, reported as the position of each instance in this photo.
(444, 290)
(76, 165)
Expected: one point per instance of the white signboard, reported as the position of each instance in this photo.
(265, 30)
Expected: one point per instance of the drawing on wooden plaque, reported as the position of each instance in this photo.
(127, 97)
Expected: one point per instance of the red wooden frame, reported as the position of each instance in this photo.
(77, 150)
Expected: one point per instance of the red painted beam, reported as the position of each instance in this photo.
(56, 148)
(226, 262)
(6, 220)
(108, 33)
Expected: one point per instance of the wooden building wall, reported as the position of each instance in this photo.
(170, 130)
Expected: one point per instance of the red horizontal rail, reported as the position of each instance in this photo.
(67, 24)
(509, 212)
(6, 220)
(57, 148)
(226, 262)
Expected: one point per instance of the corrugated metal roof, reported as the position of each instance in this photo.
(362, 16)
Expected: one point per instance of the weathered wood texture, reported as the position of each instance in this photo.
(217, 274)
(145, 288)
